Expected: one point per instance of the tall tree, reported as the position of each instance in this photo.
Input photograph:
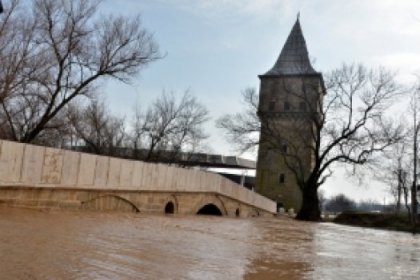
(346, 124)
(98, 130)
(57, 51)
(393, 167)
(415, 107)
(169, 128)
(340, 203)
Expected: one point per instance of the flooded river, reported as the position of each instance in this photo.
(81, 245)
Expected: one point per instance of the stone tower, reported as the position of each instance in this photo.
(289, 92)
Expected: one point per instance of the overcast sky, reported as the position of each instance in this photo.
(216, 48)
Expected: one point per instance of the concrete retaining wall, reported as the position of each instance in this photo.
(24, 165)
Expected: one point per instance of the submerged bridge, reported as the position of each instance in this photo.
(42, 177)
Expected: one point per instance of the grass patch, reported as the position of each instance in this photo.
(398, 222)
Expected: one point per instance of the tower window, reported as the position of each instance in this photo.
(302, 106)
(281, 178)
(284, 148)
(271, 105)
(286, 106)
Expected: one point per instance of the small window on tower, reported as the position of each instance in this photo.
(271, 105)
(286, 106)
(281, 178)
(284, 148)
(302, 106)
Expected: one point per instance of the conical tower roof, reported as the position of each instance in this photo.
(294, 58)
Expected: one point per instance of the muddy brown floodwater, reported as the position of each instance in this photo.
(89, 245)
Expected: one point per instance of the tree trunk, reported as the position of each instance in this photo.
(414, 186)
(414, 204)
(310, 210)
(399, 188)
(405, 191)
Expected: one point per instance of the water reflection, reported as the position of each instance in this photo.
(74, 245)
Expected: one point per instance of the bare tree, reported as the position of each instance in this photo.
(414, 106)
(399, 162)
(340, 203)
(346, 124)
(393, 167)
(243, 128)
(96, 129)
(169, 127)
(57, 52)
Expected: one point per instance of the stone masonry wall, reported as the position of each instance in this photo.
(24, 166)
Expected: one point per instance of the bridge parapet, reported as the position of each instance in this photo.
(24, 165)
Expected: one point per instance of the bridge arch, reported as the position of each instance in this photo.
(237, 212)
(110, 202)
(170, 205)
(211, 205)
(209, 209)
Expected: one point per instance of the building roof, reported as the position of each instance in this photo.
(183, 158)
(294, 58)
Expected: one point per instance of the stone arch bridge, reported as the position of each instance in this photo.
(42, 177)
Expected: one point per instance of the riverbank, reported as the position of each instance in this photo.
(398, 222)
